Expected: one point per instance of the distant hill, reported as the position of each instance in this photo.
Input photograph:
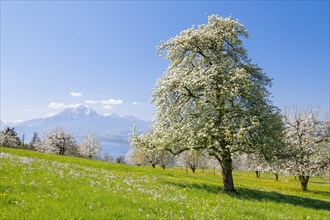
(113, 130)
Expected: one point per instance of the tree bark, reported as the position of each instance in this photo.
(276, 176)
(163, 167)
(193, 170)
(227, 174)
(153, 165)
(303, 181)
(257, 173)
(62, 150)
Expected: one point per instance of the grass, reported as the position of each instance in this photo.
(41, 186)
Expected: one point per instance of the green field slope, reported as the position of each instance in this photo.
(42, 186)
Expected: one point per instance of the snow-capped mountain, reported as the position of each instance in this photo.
(80, 112)
(113, 130)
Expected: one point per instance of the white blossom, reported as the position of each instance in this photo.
(308, 141)
(9, 138)
(57, 141)
(211, 97)
(147, 149)
(90, 146)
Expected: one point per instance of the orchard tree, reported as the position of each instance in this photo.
(120, 159)
(58, 141)
(9, 138)
(153, 153)
(277, 167)
(137, 156)
(107, 157)
(256, 163)
(166, 158)
(192, 159)
(308, 140)
(211, 97)
(90, 146)
(35, 141)
(272, 150)
(213, 163)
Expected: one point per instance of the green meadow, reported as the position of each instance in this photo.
(42, 186)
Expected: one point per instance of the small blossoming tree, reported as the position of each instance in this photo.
(58, 141)
(308, 141)
(9, 138)
(146, 150)
(193, 160)
(90, 146)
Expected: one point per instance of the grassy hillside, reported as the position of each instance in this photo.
(41, 186)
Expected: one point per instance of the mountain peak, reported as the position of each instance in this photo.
(81, 109)
(79, 112)
(114, 115)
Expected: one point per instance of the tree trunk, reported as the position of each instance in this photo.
(193, 170)
(227, 175)
(163, 167)
(257, 173)
(62, 150)
(276, 176)
(153, 165)
(303, 182)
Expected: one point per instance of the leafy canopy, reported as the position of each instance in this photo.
(211, 96)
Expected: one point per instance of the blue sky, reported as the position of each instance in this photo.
(105, 52)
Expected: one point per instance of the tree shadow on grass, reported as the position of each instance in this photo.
(201, 186)
(259, 195)
(254, 194)
(322, 193)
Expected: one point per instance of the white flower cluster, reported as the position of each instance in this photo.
(308, 141)
(60, 141)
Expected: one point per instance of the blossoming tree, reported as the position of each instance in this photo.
(58, 141)
(146, 150)
(308, 141)
(193, 160)
(137, 156)
(211, 97)
(90, 146)
(9, 138)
